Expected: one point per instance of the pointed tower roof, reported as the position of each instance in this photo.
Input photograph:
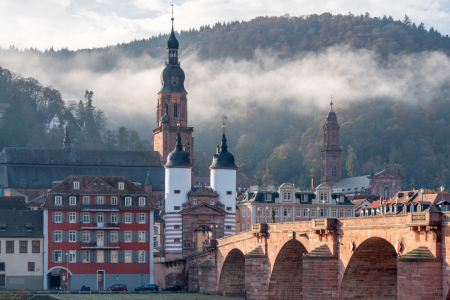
(165, 118)
(223, 159)
(66, 143)
(178, 158)
(172, 43)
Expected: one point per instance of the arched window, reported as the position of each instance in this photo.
(333, 138)
(333, 171)
(386, 193)
(175, 111)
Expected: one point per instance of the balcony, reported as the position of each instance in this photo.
(99, 207)
(99, 245)
(97, 225)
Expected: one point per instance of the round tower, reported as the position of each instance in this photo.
(223, 181)
(177, 186)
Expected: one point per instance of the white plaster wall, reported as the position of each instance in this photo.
(177, 179)
(16, 264)
(223, 180)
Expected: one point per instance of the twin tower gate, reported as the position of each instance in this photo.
(381, 257)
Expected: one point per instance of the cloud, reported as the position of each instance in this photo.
(128, 94)
(97, 23)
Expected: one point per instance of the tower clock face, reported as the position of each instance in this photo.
(175, 98)
(334, 157)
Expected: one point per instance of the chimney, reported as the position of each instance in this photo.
(218, 148)
(414, 189)
(313, 185)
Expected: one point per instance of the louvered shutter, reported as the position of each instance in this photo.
(63, 256)
(132, 256)
(123, 256)
(95, 218)
(53, 217)
(123, 236)
(53, 255)
(53, 236)
(62, 217)
(119, 257)
(118, 218)
(90, 256)
(132, 237)
(132, 217)
(76, 218)
(95, 256)
(119, 237)
(146, 236)
(67, 236)
(146, 256)
(62, 236)
(91, 236)
(91, 218)
(146, 218)
(137, 236)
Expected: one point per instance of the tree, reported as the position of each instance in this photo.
(351, 162)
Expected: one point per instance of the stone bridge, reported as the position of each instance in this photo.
(380, 257)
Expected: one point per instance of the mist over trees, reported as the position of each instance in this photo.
(271, 146)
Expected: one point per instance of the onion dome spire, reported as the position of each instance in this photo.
(66, 143)
(178, 158)
(223, 159)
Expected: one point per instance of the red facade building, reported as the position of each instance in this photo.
(98, 232)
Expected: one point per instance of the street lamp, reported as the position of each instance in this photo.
(337, 202)
(323, 201)
(142, 269)
(67, 277)
(318, 212)
(422, 190)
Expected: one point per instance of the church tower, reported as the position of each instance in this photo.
(172, 106)
(331, 151)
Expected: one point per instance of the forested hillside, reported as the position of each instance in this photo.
(270, 145)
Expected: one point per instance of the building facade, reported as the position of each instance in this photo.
(290, 205)
(99, 232)
(21, 250)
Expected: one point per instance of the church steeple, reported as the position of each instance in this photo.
(331, 151)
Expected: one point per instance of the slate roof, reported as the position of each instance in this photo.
(348, 185)
(15, 223)
(38, 168)
(157, 217)
(12, 202)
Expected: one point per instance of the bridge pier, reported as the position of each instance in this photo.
(257, 271)
(320, 274)
(419, 276)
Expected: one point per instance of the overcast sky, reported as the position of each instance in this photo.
(94, 23)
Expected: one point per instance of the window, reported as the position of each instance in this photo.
(127, 236)
(341, 213)
(155, 229)
(243, 212)
(76, 185)
(141, 256)
(2, 280)
(156, 242)
(128, 201)
(141, 218)
(58, 256)
(86, 200)
(58, 217)
(313, 213)
(304, 198)
(248, 226)
(267, 197)
(248, 211)
(194, 201)
(323, 197)
(72, 217)
(229, 193)
(287, 212)
(298, 212)
(72, 200)
(243, 227)
(2, 266)
(128, 218)
(141, 201)
(58, 200)
(100, 199)
(127, 256)
(72, 236)
(100, 236)
(349, 213)
(323, 213)
(36, 247)
(100, 256)
(390, 209)
(333, 171)
(176, 208)
(86, 218)
(114, 236)
(334, 213)
(58, 236)
(176, 240)
(114, 218)
(176, 227)
(404, 209)
(287, 196)
(100, 218)
(9, 246)
(31, 267)
(305, 212)
(175, 111)
(176, 191)
(23, 246)
(114, 256)
(86, 236)
(211, 201)
(276, 211)
(114, 200)
(72, 256)
(86, 256)
(141, 236)
(121, 186)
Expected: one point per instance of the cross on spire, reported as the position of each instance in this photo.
(172, 14)
(178, 122)
(223, 122)
(331, 103)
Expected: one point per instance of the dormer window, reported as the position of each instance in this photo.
(114, 200)
(58, 200)
(128, 201)
(323, 197)
(141, 201)
(268, 197)
(304, 198)
(121, 186)
(72, 200)
(86, 200)
(3, 226)
(211, 202)
(342, 198)
(287, 196)
(76, 185)
(194, 201)
(100, 199)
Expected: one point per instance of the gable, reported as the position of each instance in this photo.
(203, 209)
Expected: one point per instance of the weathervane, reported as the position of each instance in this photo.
(331, 103)
(223, 122)
(172, 13)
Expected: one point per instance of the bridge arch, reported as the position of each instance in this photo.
(286, 280)
(371, 272)
(232, 275)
